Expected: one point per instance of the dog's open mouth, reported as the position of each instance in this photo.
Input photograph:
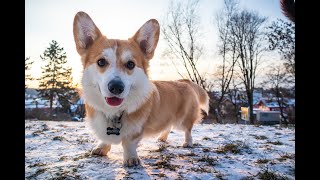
(114, 101)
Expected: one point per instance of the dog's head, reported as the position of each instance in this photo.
(115, 71)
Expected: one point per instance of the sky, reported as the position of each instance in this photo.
(47, 20)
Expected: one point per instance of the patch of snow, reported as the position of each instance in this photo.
(61, 150)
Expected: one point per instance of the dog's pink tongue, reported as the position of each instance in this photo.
(114, 101)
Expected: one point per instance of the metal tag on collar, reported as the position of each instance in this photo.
(115, 131)
(116, 122)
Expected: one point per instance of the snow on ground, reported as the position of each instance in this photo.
(62, 150)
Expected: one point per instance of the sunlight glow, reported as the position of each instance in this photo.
(118, 20)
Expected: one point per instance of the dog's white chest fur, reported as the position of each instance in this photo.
(100, 123)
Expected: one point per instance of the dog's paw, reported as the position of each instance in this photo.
(162, 139)
(131, 162)
(101, 151)
(187, 145)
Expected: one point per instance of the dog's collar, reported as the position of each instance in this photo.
(117, 125)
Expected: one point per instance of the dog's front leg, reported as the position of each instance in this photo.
(101, 149)
(130, 156)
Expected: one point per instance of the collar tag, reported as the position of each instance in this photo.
(115, 131)
(116, 123)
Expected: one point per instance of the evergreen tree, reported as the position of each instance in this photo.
(27, 67)
(56, 79)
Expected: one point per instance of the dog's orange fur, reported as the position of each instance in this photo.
(171, 103)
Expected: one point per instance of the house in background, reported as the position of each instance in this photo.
(272, 105)
(78, 110)
(260, 116)
(39, 108)
(33, 101)
(42, 104)
(267, 111)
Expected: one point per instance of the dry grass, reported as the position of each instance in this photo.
(162, 147)
(207, 138)
(211, 161)
(231, 147)
(37, 165)
(58, 138)
(164, 162)
(262, 161)
(205, 150)
(38, 172)
(266, 174)
(286, 156)
(260, 137)
(275, 142)
(196, 144)
(81, 156)
(234, 147)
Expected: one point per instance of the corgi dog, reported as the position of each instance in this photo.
(122, 104)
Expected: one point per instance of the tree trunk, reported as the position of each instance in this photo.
(236, 113)
(219, 115)
(281, 112)
(250, 101)
(51, 102)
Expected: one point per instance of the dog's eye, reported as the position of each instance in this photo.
(101, 62)
(130, 65)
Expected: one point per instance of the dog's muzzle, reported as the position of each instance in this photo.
(116, 87)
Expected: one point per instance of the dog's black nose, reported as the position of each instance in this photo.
(116, 87)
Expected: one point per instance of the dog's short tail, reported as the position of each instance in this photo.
(202, 95)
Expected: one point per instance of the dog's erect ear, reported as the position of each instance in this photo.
(147, 37)
(85, 32)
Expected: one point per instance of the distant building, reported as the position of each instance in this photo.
(78, 108)
(268, 111)
(265, 105)
(41, 104)
(32, 101)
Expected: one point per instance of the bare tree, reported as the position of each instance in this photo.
(281, 37)
(27, 67)
(235, 97)
(225, 71)
(181, 30)
(247, 38)
(277, 78)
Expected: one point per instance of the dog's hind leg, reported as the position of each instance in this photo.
(101, 149)
(164, 135)
(187, 138)
(194, 115)
(187, 127)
